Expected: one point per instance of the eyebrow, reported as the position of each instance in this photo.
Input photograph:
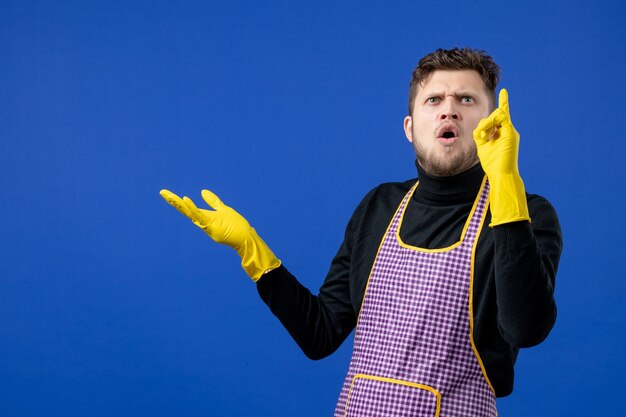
(465, 93)
(458, 94)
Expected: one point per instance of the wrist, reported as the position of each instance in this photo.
(256, 257)
(507, 199)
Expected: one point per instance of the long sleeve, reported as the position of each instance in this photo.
(318, 323)
(526, 259)
(514, 274)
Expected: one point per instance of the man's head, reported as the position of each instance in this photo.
(450, 91)
(456, 59)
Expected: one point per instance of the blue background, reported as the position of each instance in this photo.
(113, 304)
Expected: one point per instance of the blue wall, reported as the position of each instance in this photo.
(113, 304)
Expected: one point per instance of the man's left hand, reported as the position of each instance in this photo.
(497, 144)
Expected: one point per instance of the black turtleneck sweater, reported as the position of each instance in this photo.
(515, 267)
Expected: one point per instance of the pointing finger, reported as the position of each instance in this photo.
(503, 100)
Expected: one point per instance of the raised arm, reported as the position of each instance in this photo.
(526, 254)
(318, 323)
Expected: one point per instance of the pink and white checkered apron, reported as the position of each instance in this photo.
(413, 352)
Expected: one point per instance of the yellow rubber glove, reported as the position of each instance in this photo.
(497, 144)
(225, 225)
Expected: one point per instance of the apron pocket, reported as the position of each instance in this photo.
(385, 397)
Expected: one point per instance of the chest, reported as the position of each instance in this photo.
(425, 227)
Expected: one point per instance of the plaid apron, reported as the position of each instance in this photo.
(413, 354)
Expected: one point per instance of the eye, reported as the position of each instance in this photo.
(432, 100)
(467, 99)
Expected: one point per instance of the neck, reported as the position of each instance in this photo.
(459, 188)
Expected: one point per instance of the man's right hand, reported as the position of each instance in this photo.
(225, 225)
(222, 224)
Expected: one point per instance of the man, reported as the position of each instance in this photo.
(445, 277)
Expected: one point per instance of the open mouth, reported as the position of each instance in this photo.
(447, 133)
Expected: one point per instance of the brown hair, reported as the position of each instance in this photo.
(455, 59)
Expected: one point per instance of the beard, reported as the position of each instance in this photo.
(445, 164)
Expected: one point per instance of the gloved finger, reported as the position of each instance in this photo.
(202, 218)
(212, 200)
(191, 206)
(175, 201)
(478, 136)
(488, 126)
(503, 101)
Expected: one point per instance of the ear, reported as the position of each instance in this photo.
(408, 128)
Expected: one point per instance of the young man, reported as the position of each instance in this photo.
(445, 276)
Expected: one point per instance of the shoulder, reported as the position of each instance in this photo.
(388, 193)
(540, 207)
(543, 219)
(381, 201)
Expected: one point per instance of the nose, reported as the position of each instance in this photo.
(449, 109)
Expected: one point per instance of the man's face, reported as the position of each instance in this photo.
(446, 110)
